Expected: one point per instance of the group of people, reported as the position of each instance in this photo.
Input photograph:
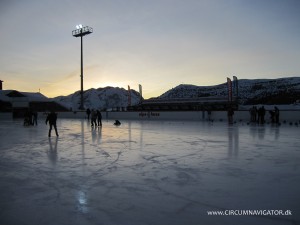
(258, 115)
(274, 115)
(96, 117)
(96, 120)
(30, 118)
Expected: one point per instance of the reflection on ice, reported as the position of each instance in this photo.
(82, 201)
(233, 141)
(147, 173)
(52, 152)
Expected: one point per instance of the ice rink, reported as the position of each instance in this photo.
(148, 172)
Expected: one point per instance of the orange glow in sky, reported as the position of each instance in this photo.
(158, 44)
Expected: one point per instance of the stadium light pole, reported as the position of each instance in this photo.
(80, 32)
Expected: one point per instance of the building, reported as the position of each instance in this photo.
(183, 104)
(20, 102)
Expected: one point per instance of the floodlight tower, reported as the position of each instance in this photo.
(80, 32)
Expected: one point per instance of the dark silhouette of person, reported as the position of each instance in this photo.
(51, 118)
(276, 112)
(117, 123)
(272, 116)
(261, 115)
(88, 112)
(99, 118)
(209, 115)
(93, 118)
(27, 118)
(35, 116)
(253, 112)
(30, 116)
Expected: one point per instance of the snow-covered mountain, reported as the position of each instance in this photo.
(101, 98)
(257, 91)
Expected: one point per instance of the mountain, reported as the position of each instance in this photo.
(101, 98)
(257, 91)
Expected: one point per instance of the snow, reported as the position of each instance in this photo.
(28, 96)
(35, 96)
(249, 90)
(147, 172)
(101, 98)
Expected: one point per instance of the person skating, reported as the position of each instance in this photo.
(88, 113)
(261, 115)
(276, 115)
(93, 118)
(51, 118)
(35, 117)
(272, 116)
(99, 118)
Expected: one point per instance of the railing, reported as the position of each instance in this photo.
(186, 100)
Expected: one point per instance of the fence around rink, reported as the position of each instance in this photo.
(241, 115)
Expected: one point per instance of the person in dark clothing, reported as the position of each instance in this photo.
(117, 123)
(99, 118)
(35, 116)
(93, 118)
(253, 112)
(209, 115)
(51, 118)
(261, 115)
(88, 112)
(27, 118)
(276, 115)
(272, 116)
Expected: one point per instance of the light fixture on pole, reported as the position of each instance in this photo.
(80, 32)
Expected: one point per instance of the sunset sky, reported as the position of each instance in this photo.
(156, 43)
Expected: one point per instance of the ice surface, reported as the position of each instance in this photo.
(149, 172)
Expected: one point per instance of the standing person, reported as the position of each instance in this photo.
(251, 110)
(261, 115)
(93, 118)
(30, 117)
(255, 114)
(276, 115)
(26, 118)
(99, 118)
(272, 116)
(51, 118)
(209, 115)
(35, 116)
(88, 112)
